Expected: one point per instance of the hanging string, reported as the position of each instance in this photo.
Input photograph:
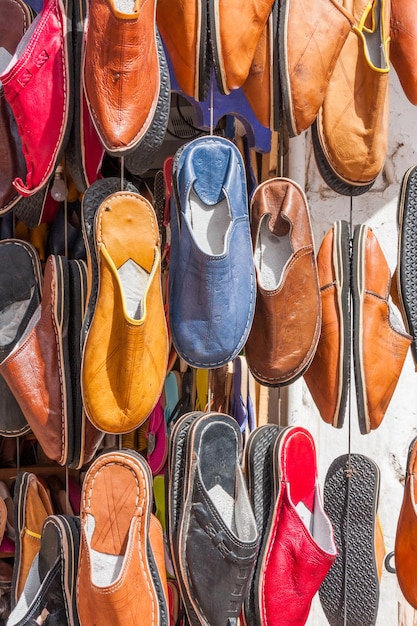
(349, 470)
(17, 453)
(64, 174)
(120, 439)
(122, 173)
(209, 391)
(67, 502)
(279, 406)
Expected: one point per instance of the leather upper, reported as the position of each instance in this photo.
(211, 296)
(312, 35)
(403, 46)
(125, 358)
(352, 123)
(286, 325)
(406, 533)
(121, 72)
(42, 67)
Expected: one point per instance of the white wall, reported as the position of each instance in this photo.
(388, 445)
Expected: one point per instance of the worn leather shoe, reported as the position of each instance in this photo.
(212, 276)
(328, 375)
(121, 573)
(350, 134)
(311, 37)
(406, 533)
(125, 353)
(403, 46)
(380, 343)
(286, 326)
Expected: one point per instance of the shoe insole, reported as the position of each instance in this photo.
(298, 469)
(271, 255)
(209, 223)
(10, 319)
(134, 280)
(218, 458)
(374, 38)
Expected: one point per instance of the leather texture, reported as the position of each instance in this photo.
(328, 375)
(311, 37)
(43, 66)
(286, 326)
(406, 532)
(352, 124)
(121, 72)
(15, 18)
(50, 584)
(380, 343)
(403, 46)
(117, 497)
(299, 537)
(125, 355)
(211, 295)
(235, 30)
(216, 535)
(43, 356)
(22, 285)
(183, 27)
(32, 506)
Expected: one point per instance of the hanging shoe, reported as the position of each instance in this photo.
(299, 546)
(350, 592)
(286, 326)
(328, 376)
(380, 343)
(403, 47)
(350, 133)
(121, 574)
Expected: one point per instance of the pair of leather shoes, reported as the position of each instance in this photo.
(297, 546)
(124, 335)
(379, 344)
(43, 368)
(211, 527)
(121, 572)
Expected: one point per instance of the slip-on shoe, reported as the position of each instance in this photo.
(405, 279)
(217, 539)
(406, 532)
(403, 46)
(350, 592)
(49, 591)
(42, 64)
(32, 505)
(298, 545)
(310, 38)
(15, 18)
(350, 133)
(380, 343)
(212, 284)
(121, 574)
(328, 375)
(184, 30)
(20, 296)
(235, 30)
(125, 353)
(286, 326)
(121, 71)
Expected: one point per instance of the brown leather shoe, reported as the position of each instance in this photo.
(235, 30)
(15, 18)
(32, 506)
(183, 28)
(406, 535)
(125, 353)
(311, 37)
(286, 325)
(350, 134)
(328, 375)
(403, 46)
(380, 343)
(121, 572)
(121, 71)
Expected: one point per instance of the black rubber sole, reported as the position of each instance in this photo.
(406, 262)
(351, 491)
